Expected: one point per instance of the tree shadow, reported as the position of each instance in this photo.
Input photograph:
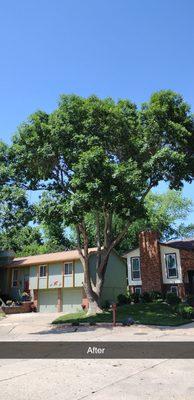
(57, 330)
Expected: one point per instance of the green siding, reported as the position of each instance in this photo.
(16, 292)
(115, 281)
(79, 273)
(33, 277)
(71, 300)
(55, 276)
(47, 300)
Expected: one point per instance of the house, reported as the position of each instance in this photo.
(55, 280)
(159, 266)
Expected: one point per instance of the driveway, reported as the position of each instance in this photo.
(93, 379)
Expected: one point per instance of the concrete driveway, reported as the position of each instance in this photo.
(93, 379)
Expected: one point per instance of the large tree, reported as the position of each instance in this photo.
(102, 157)
(164, 213)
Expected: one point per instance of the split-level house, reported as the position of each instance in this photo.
(161, 266)
(55, 280)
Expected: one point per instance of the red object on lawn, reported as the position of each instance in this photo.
(85, 303)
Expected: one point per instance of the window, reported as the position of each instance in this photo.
(68, 268)
(171, 265)
(137, 290)
(15, 278)
(135, 268)
(43, 271)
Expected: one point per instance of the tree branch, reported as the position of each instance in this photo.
(79, 247)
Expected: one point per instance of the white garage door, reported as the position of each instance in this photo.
(47, 300)
(71, 300)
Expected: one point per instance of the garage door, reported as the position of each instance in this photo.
(71, 300)
(47, 300)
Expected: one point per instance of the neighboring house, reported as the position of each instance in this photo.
(161, 266)
(55, 280)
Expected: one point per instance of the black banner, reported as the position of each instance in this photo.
(78, 350)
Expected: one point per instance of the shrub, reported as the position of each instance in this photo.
(190, 300)
(122, 299)
(156, 295)
(172, 299)
(135, 297)
(146, 297)
(185, 311)
(106, 305)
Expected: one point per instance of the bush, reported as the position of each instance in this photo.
(185, 311)
(146, 297)
(190, 300)
(156, 295)
(122, 299)
(135, 297)
(172, 299)
(76, 323)
(106, 305)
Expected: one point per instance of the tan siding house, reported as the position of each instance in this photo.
(55, 281)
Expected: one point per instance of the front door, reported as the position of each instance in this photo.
(26, 283)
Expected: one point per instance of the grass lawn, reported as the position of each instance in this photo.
(147, 314)
(2, 315)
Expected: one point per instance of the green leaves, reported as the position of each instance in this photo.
(167, 126)
(98, 155)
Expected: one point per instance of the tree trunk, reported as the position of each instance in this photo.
(94, 302)
(93, 292)
(92, 296)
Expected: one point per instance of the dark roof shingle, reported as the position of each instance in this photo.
(186, 244)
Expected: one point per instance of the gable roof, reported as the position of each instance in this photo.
(62, 256)
(128, 252)
(186, 244)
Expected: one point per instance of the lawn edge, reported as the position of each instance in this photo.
(68, 324)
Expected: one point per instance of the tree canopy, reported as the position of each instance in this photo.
(19, 230)
(102, 157)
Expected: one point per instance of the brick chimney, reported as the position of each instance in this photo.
(151, 270)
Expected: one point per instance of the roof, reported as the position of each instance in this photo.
(62, 256)
(186, 244)
(128, 252)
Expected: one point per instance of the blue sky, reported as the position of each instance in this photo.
(118, 48)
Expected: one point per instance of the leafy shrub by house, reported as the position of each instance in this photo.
(155, 295)
(135, 297)
(172, 299)
(146, 297)
(185, 311)
(122, 299)
(106, 305)
(190, 300)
